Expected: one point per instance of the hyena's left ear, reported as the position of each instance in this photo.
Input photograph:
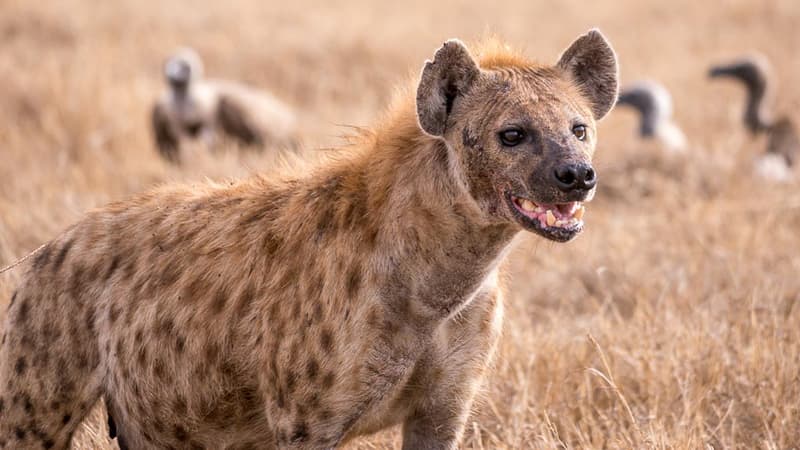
(442, 83)
(592, 64)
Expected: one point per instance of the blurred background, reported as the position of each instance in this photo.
(671, 322)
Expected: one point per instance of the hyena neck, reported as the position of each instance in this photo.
(437, 246)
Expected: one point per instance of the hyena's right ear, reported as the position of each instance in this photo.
(442, 82)
(592, 64)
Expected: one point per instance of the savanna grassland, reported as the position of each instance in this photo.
(672, 322)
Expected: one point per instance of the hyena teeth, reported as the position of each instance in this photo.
(527, 205)
(551, 219)
(579, 212)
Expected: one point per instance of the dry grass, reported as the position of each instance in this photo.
(671, 323)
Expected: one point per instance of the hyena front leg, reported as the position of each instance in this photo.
(50, 373)
(450, 375)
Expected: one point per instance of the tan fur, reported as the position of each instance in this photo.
(296, 312)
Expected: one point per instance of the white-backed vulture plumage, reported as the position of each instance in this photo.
(783, 141)
(196, 108)
(654, 104)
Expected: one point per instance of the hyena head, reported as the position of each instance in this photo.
(522, 135)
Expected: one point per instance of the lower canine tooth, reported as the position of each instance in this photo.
(527, 205)
(579, 213)
(551, 219)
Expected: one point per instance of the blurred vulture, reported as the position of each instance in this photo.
(783, 142)
(197, 108)
(654, 105)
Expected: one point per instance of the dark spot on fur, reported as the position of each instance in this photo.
(120, 345)
(271, 243)
(67, 387)
(111, 268)
(26, 402)
(281, 399)
(300, 432)
(296, 309)
(180, 433)
(139, 335)
(312, 368)
(354, 282)
(13, 298)
(196, 289)
(372, 318)
(160, 369)
(141, 356)
(130, 267)
(166, 327)
(180, 344)
(113, 314)
(328, 380)
(90, 320)
(212, 353)
(158, 426)
(20, 366)
(228, 369)
(300, 411)
(83, 361)
(22, 313)
(66, 418)
(291, 381)
(218, 303)
(326, 341)
(324, 415)
(325, 225)
(318, 311)
(245, 300)
(170, 275)
(391, 326)
(179, 405)
(76, 282)
(20, 433)
(62, 255)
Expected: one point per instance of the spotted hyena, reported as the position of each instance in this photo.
(302, 312)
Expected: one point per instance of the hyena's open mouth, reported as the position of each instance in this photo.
(556, 221)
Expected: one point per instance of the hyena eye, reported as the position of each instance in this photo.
(511, 137)
(579, 131)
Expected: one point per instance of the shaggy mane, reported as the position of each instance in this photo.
(397, 126)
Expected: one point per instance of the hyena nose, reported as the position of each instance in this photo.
(575, 176)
